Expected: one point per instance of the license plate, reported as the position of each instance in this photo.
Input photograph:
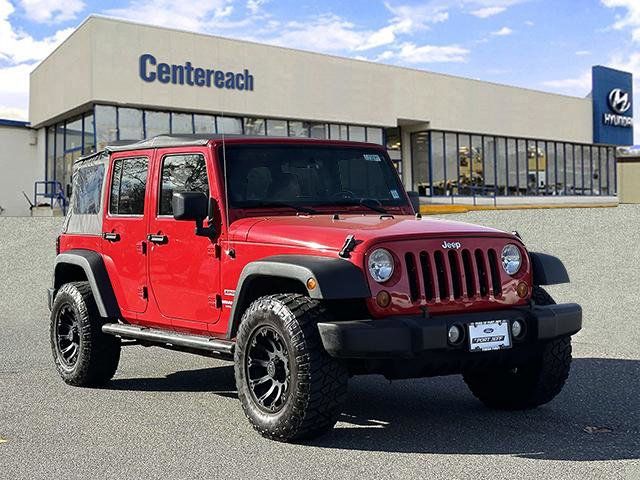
(491, 335)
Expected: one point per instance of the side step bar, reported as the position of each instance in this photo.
(164, 337)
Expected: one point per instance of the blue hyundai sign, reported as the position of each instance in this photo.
(151, 70)
(612, 97)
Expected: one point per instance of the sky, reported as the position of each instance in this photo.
(547, 45)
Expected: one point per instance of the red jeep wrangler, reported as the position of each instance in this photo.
(303, 262)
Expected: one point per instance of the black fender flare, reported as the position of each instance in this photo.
(336, 279)
(547, 269)
(93, 266)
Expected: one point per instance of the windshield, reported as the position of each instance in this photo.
(294, 176)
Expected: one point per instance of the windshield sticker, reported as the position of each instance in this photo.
(395, 195)
(372, 158)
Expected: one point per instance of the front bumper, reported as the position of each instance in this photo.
(406, 337)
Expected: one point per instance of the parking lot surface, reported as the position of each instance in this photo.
(172, 415)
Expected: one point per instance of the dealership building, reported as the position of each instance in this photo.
(452, 139)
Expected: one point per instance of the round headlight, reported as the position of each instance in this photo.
(380, 265)
(511, 259)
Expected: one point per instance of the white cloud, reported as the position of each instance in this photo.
(196, 15)
(410, 53)
(488, 12)
(583, 53)
(631, 18)
(334, 34)
(254, 6)
(51, 11)
(529, 23)
(11, 113)
(578, 86)
(14, 91)
(629, 62)
(19, 54)
(503, 32)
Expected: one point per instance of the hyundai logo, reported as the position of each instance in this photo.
(619, 100)
(488, 330)
(455, 245)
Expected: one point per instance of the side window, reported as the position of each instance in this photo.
(88, 189)
(181, 173)
(128, 185)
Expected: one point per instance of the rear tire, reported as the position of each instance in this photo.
(289, 386)
(84, 355)
(529, 385)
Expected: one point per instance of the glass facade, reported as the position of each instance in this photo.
(467, 164)
(107, 124)
(443, 163)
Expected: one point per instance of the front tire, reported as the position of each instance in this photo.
(289, 386)
(84, 356)
(530, 385)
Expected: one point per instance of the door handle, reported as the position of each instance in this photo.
(157, 238)
(111, 236)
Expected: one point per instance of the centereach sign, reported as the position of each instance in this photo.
(150, 70)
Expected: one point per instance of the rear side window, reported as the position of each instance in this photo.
(86, 205)
(87, 189)
(128, 185)
(181, 173)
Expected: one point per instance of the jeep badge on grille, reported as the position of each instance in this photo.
(455, 245)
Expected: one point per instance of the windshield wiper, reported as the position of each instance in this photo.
(365, 202)
(261, 204)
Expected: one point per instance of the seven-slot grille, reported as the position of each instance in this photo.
(442, 275)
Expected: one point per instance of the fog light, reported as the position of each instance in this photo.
(383, 298)
(454, 334)
(517, 328)
(522, 289)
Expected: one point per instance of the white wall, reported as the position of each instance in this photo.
(19, 168)
(99, 62)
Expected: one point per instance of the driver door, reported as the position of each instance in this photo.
(184, 270)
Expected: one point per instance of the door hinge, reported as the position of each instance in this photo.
(215, 301)
(214, 251)
(142, 292)
(141, 247)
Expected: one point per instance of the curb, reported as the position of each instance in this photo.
(449, 209)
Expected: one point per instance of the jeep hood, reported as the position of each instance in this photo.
(325, 233)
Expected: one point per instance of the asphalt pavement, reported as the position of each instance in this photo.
(171, 415)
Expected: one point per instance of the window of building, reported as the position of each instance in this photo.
(318, 130)
(338, 132)
(73, 134)
(276, 128)
(60, 165)
(181, 173)
(254, 126)
(51, 152)
(298, 129)
(106, 125)
(374, 135)
(204, 123)
(128, 186)
(130, 124)
(181, 123)
(230, 125)
(89, 139)
(156, 123)
(467, 164)
(420, 143)
(357, 133)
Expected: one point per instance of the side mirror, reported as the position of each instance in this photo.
(190, 206)
(194, 206)
(414, 198)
